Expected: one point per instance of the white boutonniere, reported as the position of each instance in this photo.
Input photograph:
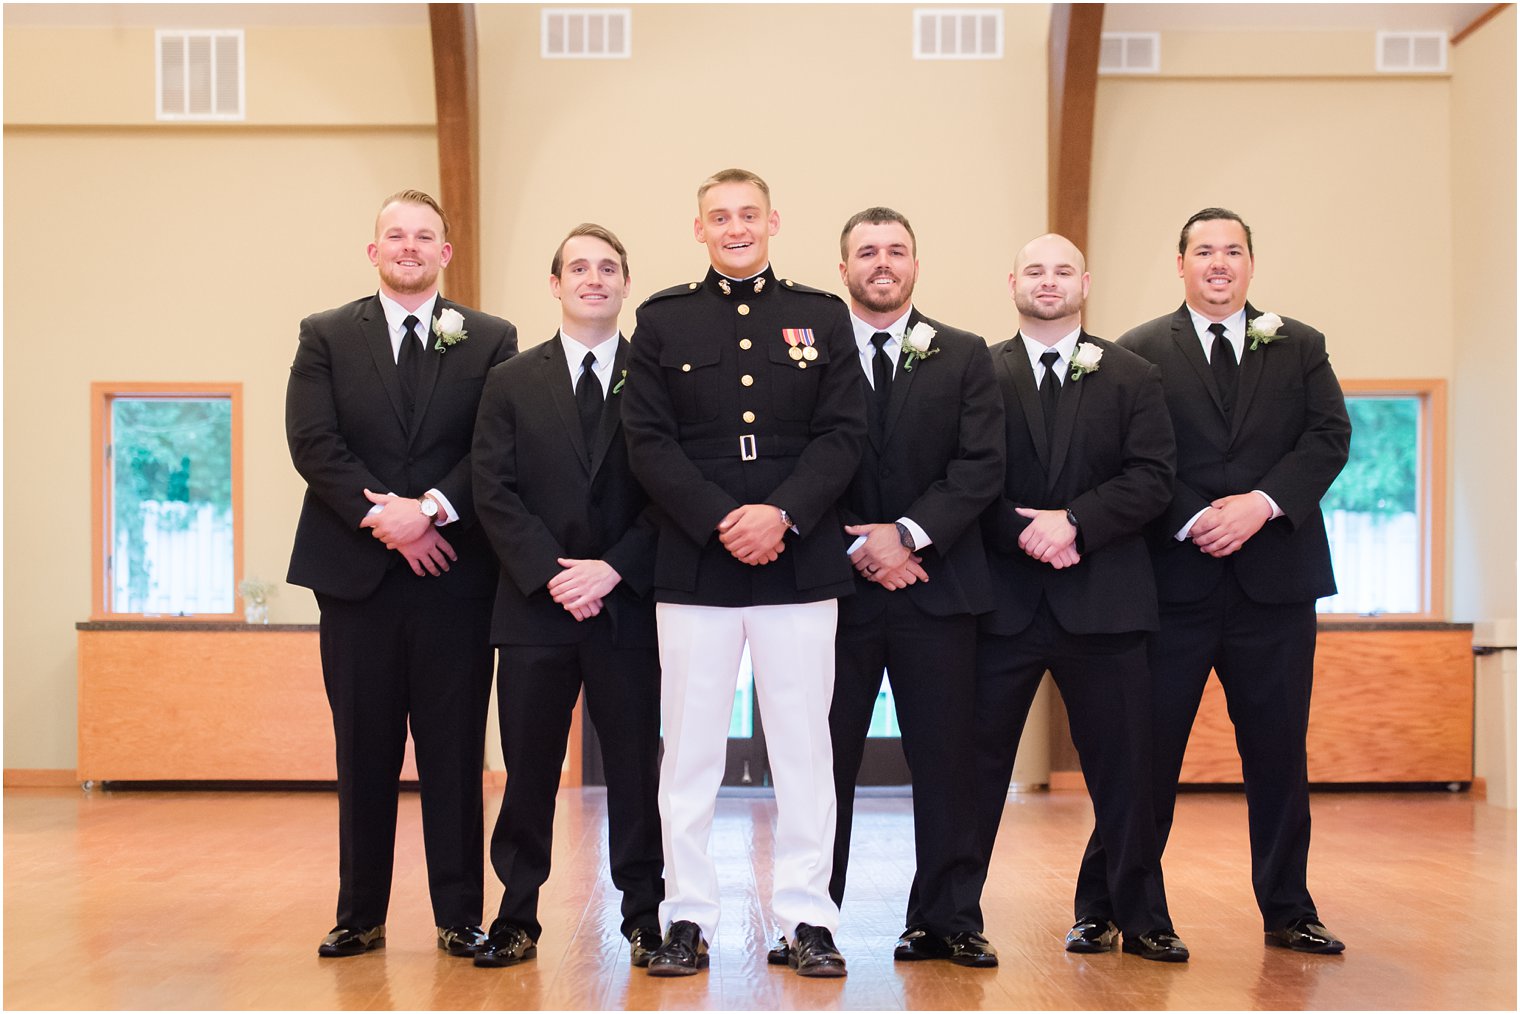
(622, 379)
(449, 327)
(1085, 359)
(1264, 330)
(917, 344)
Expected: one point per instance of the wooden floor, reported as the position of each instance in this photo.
(217, 900)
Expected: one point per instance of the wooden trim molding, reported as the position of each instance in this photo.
(101, 393)
(456, 90)
(1478, 22)
(41, 778)
(1076, 37)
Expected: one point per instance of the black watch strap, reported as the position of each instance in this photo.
(904, 536)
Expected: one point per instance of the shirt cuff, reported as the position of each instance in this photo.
(1277, 511)
(1182, 533)
(448, 508)
(920, 537)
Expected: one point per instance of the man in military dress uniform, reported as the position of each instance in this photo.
(744, 415)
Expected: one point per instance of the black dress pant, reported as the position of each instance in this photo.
(1105, 684)
(407, 655)
(536, 691)
(930, 662)
(1264, 656)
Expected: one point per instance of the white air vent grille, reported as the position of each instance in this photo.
(200, 74)
(1411, 52)
(586, 33)
(1130, 53)
(950, 33)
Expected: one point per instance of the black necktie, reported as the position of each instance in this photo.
(1226, 370)
(881, 370)
(588, 399)
(409, 361)
(1050, 390)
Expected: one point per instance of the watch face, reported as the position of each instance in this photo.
(430, 508)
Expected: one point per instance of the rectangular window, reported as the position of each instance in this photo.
(167, 475)
(1384, 513)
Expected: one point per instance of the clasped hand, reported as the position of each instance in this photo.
(1231, 521)
(1049, 537)
(582, 585)
(753, 533)
(883, 558)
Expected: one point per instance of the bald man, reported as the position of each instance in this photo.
(1090, 462)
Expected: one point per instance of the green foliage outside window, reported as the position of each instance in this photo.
(1382, 475)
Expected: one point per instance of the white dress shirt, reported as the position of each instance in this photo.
(863, 334)
(395, 325)
(575, 355)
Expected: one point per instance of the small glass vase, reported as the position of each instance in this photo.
(255, 612)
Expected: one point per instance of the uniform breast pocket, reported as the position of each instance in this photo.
(691, 376)
(794, 382)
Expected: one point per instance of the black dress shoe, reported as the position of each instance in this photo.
(346, 941)
(971, 950)
(1159, 945)
(643, 941)
(918, 944)
(461, 941)
(1306, 935)
(684, 952)
(1092, 936)
(813, 954)
(781, 954)
(507, 945)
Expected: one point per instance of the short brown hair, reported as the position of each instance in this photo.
(600, 232)
(733, 176)
(875, 216)
(1213, 215)
(413, 197)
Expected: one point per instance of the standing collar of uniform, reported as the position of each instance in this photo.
(765, 280)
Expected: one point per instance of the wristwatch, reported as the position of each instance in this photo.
(786, 519)
(428, 506)
(904, 536)
(1071, 519)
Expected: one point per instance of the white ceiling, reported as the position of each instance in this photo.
(1117, 17)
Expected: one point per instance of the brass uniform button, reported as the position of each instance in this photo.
(685, 367)
(744, 309)
(693, 285)
(749, 417)
(745, 343)
(788, 283)
(802, 365)
(747, 380)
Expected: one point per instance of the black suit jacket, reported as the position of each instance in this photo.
(542, 494)
(939, 461)
(1289, 437)
(1111, 464)
(712, 370)
(348, 431)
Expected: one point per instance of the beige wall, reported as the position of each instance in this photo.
(137, 251)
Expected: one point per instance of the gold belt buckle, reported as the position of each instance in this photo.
(747, 447)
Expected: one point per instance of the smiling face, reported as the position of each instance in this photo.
(590, 287)
(1216, 267)
(736, 222)
(1049, 281)
(880, 270)
(409, 249)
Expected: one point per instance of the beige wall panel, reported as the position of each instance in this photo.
(1483, 388)
(825, 102)
(1268, 53)
(312, 75)
(1346, 184)
(176, 255)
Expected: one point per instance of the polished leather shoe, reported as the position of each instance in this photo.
(1306, 935)
(1160, 945)
(813, 954)
(461, 941)
(346, 941)
(918, 944)
(507, 945)
(1092, 936)
(971, 950)
(643, 941)
(683, 952)
(781, 954)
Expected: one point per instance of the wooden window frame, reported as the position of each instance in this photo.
(101, 396)
(1431, 492)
